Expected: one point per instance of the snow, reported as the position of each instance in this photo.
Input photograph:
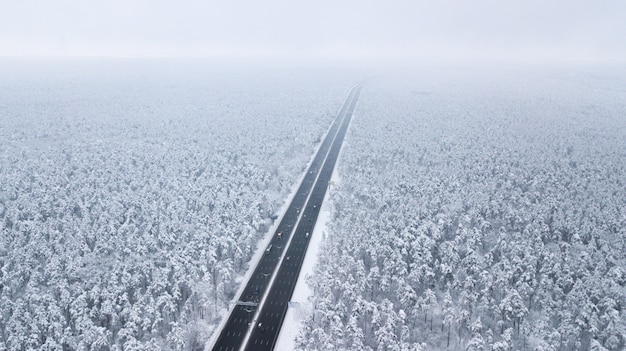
(134, 198)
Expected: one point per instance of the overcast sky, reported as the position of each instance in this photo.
(570, 29)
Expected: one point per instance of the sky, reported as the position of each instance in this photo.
(322, 29)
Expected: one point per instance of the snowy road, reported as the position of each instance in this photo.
(264, 301)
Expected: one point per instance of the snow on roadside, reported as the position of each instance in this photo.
(302, 292)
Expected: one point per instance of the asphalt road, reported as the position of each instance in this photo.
(275, 305)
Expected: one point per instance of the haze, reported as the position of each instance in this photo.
(571, 30)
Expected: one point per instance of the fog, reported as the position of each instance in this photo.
(324, 29)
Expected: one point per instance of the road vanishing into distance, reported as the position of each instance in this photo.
(255, 321)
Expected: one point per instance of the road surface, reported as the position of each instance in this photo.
(280, 264)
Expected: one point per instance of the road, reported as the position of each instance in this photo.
(279, 267)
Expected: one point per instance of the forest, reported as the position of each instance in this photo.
(133, 196)
(479, 209)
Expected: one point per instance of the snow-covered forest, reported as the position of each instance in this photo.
(478, 210)
(133, 194)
